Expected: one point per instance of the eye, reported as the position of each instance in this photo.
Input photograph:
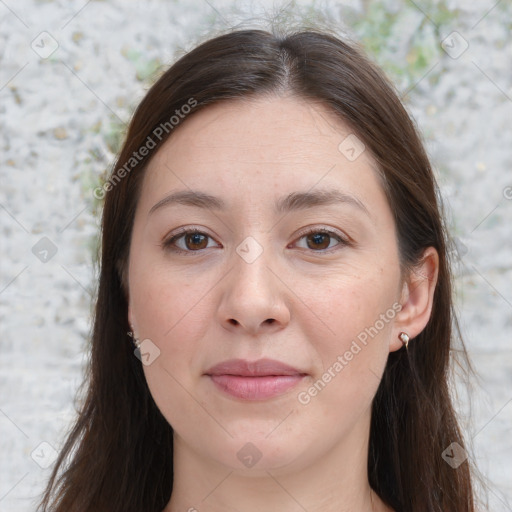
(318, 240)
(193, 241)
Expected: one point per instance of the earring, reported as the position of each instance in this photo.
(136, 341)
(404, 338)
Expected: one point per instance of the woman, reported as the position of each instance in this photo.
(273, 244)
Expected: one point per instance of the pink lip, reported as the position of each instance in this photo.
(256, 380)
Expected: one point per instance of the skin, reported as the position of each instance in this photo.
(320, 294)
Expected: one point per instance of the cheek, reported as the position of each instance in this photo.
(357, 313)
(170, 313)
(164, 299)
(349, 302)
(160, 304)
(164, 306)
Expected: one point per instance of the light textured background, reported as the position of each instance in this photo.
(59, 125)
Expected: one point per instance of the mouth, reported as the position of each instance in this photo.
(257, 380)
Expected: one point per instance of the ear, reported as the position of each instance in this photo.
(417, 299)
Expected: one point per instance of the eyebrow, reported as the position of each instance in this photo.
(292, 202)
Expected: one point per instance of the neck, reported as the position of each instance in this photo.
(334, 481)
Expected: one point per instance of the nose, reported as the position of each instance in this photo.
(254, 298)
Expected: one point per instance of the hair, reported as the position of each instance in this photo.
(119, 454)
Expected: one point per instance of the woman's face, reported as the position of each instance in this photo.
(274, 272)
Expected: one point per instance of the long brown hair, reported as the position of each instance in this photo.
(119, 454)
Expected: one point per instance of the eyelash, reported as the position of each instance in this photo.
(168, 244)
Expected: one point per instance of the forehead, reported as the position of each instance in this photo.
(257, 146)
(266, 126)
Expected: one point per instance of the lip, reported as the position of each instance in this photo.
(256, 380)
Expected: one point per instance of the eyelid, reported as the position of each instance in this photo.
(179, 233)
(323, 229)
(344, 240)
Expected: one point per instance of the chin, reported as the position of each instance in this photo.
(256, 453)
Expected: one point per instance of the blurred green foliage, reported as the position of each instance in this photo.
(404, 37)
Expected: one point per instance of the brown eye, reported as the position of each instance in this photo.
(196, 241)
(320, 240)
(190, 240)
